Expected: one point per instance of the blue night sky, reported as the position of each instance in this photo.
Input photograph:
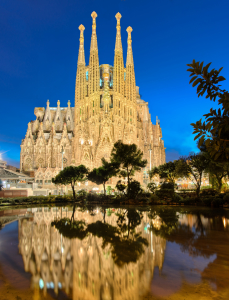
(39, 50)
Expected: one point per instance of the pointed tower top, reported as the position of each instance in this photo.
(129, 59)
(81, 57)
(58, 103)
(118, 43)
(129, 30)
(94, 37)
(69, 103)
(47, 103)
(118, 17)
(94, 16)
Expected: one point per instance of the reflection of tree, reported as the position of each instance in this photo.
(126, 245)
(163, 221)
(71, 229)
(205, 236)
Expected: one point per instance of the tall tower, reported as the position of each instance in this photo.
(80, 93)
(94, 59)
(118, 60)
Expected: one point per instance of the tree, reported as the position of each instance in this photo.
(129, 159)
(102, 174)
(168, 171)
(193, 167)
(214, 131)
(217, 171)
(71, 175)
(152, 187)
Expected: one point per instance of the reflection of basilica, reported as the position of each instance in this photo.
(83, 269)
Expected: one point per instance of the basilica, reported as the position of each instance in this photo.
(107, 108)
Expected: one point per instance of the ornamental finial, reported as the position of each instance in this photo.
(129, 30)
(47, 103)
(69, 103)
(94, 16)
(118, 17)
(58, 103)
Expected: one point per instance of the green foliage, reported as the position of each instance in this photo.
(168, 171)
(129, 159)
(102, 174)
(226, 198)
(208, 192)
(121, 187)
(134, 189)
(154, 198)
(213, 132)
(152, 187)
(71, 175)
(193, 167)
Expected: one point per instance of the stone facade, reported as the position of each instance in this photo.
(108, 108)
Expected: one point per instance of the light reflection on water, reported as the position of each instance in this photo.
(113, 254)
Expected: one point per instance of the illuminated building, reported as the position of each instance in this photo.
(108, 108)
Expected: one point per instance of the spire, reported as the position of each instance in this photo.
(81, 56)
(94, 59)
(129, 59)
(80, 75)
(94, 45)
(118, 60)
(118, 43)
(29, 131)
(130, 86)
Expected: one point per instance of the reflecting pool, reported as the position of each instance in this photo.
(97, 253)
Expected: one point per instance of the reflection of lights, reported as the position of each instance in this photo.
(51, 285)
(224, 222)
(80, 251)
(62, 249)
(59, 285)
(82, 141)
(41, 283)
(95, 189)
(97, 211)
(90, 250)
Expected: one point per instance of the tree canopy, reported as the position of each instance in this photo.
(71, 175)
(168, 171)
(193, 167)
(102, 174)
(214, 130)
(129, 158)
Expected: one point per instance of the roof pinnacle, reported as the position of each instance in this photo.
(69, 103)
(81, 28)
(118, 43)
(94, 37)
(129, 59)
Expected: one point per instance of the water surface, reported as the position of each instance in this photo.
(111, 253)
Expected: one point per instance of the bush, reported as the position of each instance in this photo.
(134, 189)
(226, 198)
(154, 198)
(168, 186)
(177, 198)
(93, 197)
(206, 192)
